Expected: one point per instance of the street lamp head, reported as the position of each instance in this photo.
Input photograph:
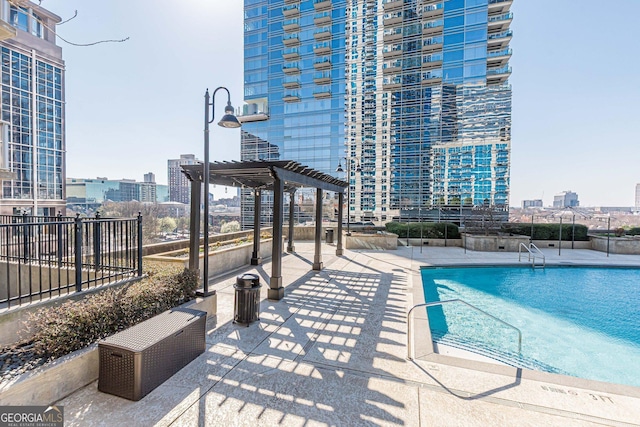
(229, 120)
(339, 168)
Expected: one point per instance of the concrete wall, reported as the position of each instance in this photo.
(545, 244)
(617, 245)
(494, 243)
(382, 241)
(433, 242)
(221, 260)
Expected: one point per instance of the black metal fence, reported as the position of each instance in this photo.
(42, 257)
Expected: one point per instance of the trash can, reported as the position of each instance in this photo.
(329, 235)
(246, 308)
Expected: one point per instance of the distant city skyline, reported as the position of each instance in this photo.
(132, 106)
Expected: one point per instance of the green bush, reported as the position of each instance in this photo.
(633, 231)
(547, 231)
(73, 325)
(430, 230)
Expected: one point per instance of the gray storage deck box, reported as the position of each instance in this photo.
(137, 360)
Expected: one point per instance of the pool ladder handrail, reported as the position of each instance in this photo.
(531, 254)
(435, 303)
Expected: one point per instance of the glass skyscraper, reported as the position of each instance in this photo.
(414, 93)
(32, 111)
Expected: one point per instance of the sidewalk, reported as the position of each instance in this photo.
(334, 352)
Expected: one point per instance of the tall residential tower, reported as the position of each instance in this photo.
(414, 93)
(33, 139)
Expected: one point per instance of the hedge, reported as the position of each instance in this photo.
(547, 231)
(73, 325)
(430, 230)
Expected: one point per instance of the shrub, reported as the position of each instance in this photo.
(73, 325)
(633, 231)
(430, 230)
(547, 231)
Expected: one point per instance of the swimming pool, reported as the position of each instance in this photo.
(581, 321)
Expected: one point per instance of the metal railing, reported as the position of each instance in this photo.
(531, 254)
(436, 303)
(43, 257)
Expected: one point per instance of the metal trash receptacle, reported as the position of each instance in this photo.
(329, 235)
(247, 299)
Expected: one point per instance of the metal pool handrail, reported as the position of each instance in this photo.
(431, 304)
(531, 254)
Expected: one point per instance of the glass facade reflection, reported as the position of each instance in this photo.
(32, 91)
(415, 92)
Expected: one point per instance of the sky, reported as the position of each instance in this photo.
(131, 106)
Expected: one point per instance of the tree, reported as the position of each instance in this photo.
(230, 227)
(168, 224)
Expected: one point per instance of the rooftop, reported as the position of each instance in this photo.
(333, 351)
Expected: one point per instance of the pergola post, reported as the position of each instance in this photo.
(276, 291)
(317, 258)
(194, 226)
(290, 247)
(257, 209)
(339, 250)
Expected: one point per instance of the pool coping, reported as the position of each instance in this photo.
(558, 379)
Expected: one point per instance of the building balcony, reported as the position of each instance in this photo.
(322, 64)
(388, 53)
(391, 35)
(321, 4)
(7, 31)
(322, 48)
(500, 22)
(291, 82)
(433, 27)
(291, 96)
(391, 83)
(292, 68)
(290, 10)
(498, 75)
(292, 1)
(255, 110)
(499, 40)
(431, 61)
(392, 4)
(290, 40)
(392, 68)
(291, 25)
(392, 18)
(432, 44)
(322, 18)
(290, 53)
(432, 10)
(322, 78)
(499, 6)
(322, 92)
(322, 34)
(496, 58)
(432, 77)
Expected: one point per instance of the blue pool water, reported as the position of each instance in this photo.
(583, 322)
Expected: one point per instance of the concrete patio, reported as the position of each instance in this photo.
(334, 352)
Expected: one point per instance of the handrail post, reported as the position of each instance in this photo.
(139, 244)
(78, 252)
(59, 230)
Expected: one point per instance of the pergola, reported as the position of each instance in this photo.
(278, 176)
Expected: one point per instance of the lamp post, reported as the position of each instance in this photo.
(347, 161)
(227, 121)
